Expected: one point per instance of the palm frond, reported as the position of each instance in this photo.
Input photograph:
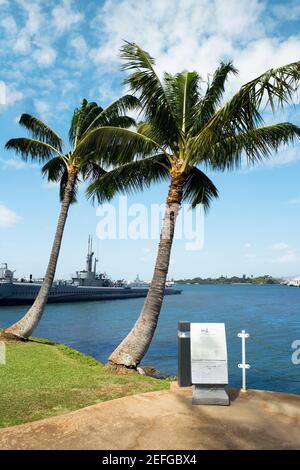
(130, 177)
(240, 114)
(182, 91)
(146, 85)
(199, 189)
(32, 149)
(73, 126)
(125, 122)
(152, 132)
(54, 169)
(89, 113)
(41, 131)
(277, 86)
(91, 171)
(112, 113)
(256, 144)
(116, 145)
(77, 120)
(207, 106)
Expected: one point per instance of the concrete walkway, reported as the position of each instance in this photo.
(167, 420)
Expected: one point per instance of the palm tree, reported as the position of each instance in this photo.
(184, 128)
(81, 162)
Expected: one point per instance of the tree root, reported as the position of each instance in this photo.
(119, 368)
(10, 337)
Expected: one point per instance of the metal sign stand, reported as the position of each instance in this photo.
(243, 335)
(202, 362)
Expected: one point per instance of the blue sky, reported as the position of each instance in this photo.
(55, 53)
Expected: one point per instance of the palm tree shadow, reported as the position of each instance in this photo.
(233, 393)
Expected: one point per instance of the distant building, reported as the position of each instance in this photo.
(295, 282)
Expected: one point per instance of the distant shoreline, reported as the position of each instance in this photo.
(235, 280)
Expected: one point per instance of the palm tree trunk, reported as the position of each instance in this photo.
(24, 327)
(132, 349)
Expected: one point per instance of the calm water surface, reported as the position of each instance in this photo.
(271, 314)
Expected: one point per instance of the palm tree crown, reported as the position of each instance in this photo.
(67, 168)
(45, 146)
(184, 127)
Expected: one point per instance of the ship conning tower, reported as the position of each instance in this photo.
(89, 276)
(5, 273)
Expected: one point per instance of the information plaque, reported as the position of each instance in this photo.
(208, 354)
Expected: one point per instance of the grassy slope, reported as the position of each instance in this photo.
(41, 379)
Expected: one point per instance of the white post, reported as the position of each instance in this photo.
(243, 365)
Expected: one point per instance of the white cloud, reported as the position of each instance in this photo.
(16, 164)
(34, 16)
(295, 200)
(284, 156)
(22, 44)
(39, 31)
(279, 246)
(289, 257)
(64, 17)
(79, 52)
(44, 55)
(11, 95)
(8, 218)
(106, 93)
(2, 92)
(287, 155)
(264, 53)
(67, 85)
(79, 44)
(9, 25)
(197, 35)
(247, 246)
(33, 23)
(42, 107)
(46, 109)
(13, 163)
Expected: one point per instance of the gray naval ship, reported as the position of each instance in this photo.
(86, 285)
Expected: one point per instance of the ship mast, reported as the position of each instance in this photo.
(89, 258)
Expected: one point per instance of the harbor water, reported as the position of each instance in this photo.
(271, 314)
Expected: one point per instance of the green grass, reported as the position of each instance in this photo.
(42, 379)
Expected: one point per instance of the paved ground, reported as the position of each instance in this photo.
(167, 420)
